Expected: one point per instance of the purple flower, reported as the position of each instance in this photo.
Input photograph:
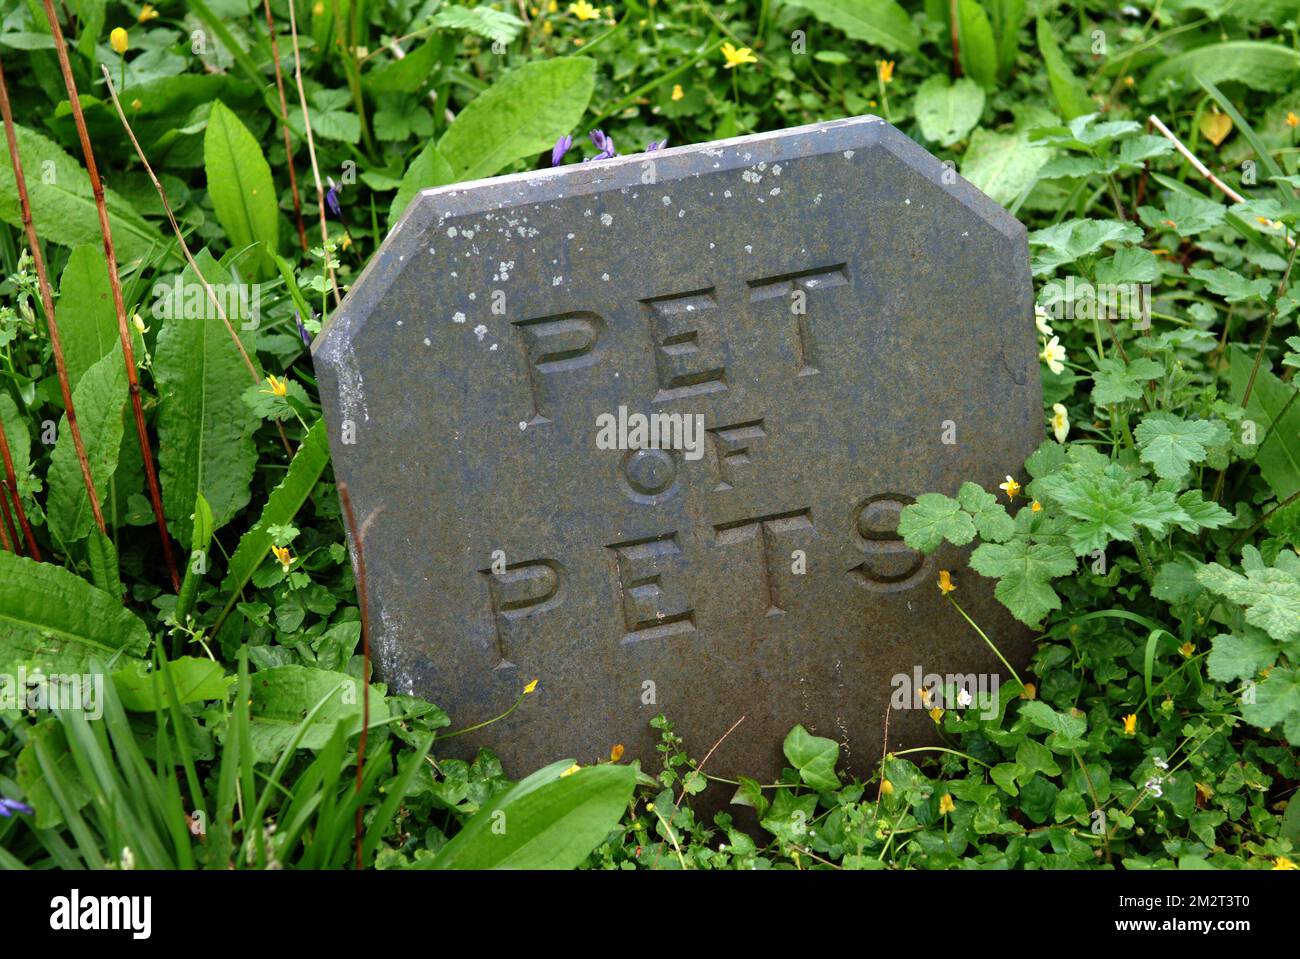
(332, 200)
(303, 332)
(605, 144)
(656, 145)
(10, 806)
(561, 147)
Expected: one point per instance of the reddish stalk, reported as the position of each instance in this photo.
(358, 536)
(115, 283)
(284, 127)
(56, 343)
(8, 536)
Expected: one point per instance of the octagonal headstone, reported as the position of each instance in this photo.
(849, 324)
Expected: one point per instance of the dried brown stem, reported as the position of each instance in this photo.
(115, 284)
(56, 343)
(311, 152)
(284, 127)
(358, 538)
(189, 257)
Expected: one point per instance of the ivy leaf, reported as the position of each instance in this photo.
(1172, 444)
(992, 521)
(1230, 285)
(1024, 575)
(932, 519)
(814, 757)
(1115, 381)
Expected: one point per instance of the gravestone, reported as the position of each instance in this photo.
(854, 325)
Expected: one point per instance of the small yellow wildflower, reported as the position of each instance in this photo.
(677, 91)
(1129, 81)
(147, 13)
(1187, 649)
(1060, 422)
(137, 104)
(584, 11)
(1292, 120)
(318, 9)
(886, 787)
(278, 386)
(937, 713)
(1035, 507)
(1282, 862)
(1053, 355)
(282, 554)
(118, 39)
(530, 687)
(1011, 488)
(1030, 692)
(946, 585)
(547, 27)
(570, 771)
(946, 805)
(735, 57)
(616, 753)
(885, 70)
(1131, 724)
(552, 7)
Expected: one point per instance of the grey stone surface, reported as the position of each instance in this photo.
(464, 374)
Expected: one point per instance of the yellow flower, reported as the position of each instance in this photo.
(283, 555)
(1292, 120)
(1282, 862)
(138, 323)
(937, 713)
(1060, 422)
(1053, 355)
(570, 771)
(677, 91)
(530, 687)
(1035, 507)
(147, 13)
(118, 39)
(1130, 724)
(886, 787)
(137, 104)
(584, 11)
(885, 70)
(1011, 488)
(278, 386)
(946, 805)
(1030, 692)
(547, 28)
(616, 753)
(1187, 649)
(552, 7)
(736, 57)
(946, 585)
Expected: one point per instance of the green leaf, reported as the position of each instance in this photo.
(551, 820)
(100, 399)
(1172, 444)
(54, 619)
(197, 680)
(410, 74)
(992, 521)
(428, 169)
(1279, 454)
(87, 319)
(1234, 656)
(1270, 595)
(882, 23)
(240, 186)
(519, 116)
(1186, 215)
(1115, 381)
(198, 560)
(947, 112)
(1070, 240)
(1003, 165)
(281, 507)
(63, 206)
(1024, 575)
(1260, 65)
(1231, 285)
(976, 47)
(1069, 92)
(932, 519)
(101, 554)
(815, 758)
(205, 441)
(485, 22)
(284, 696)
(1277, 703)
(1044, 716)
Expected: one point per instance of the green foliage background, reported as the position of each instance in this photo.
(1157, 725)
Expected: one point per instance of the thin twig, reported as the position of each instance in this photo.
(284, 126)
(115, 284)
(56, 342)
(358, 537)
(185, 248)
(311, 152)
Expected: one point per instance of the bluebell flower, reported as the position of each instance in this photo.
(561, 147)
(303, 333)
(332, 199)
(10, 806)
(656, 145)
(605, 144)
